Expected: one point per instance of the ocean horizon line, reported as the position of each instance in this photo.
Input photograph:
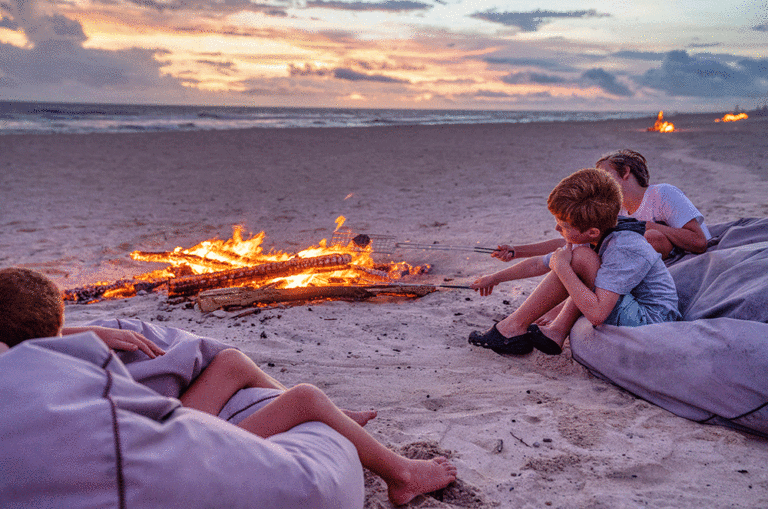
(44, 117)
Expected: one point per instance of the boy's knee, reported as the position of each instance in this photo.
(584, 258)
(233, 360)
(585, 263)
(308, 393)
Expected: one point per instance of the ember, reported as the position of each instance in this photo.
(730, 117)
(239, 262)
(661, 125)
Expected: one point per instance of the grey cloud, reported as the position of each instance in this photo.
(492, 94)
(55, 62)
(342, 73)
(387, 5)
(158, 6)
(270, 92)
(388, 66)
(708, 76)
(57, 57)
(226, 68)
(761, 28)
(704, 44)
(8, 23)
(531, 21)
(639, 55)
(606, 81)
(66, 29)
(542, 63)
(516, 78)
(307, 70)
(350, 75)
(204, 6)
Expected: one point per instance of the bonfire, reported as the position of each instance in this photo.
(731, 117)
(237, 271)
(661, 125)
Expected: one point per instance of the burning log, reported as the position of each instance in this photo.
(121, 288)
(179, 258)
(212, 300)
(190, 285)
(375, 274)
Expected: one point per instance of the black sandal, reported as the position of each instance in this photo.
(493, 339)
(542, 342)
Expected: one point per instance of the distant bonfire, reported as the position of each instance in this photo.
(661, 125)
(730, 117)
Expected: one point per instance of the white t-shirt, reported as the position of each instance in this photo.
(664, 203)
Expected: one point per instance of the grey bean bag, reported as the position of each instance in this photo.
(78, 430)
(713, 366)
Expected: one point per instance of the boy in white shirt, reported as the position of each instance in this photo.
(673, 224)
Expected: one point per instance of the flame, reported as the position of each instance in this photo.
(730, 117)
(238, 252)
(661, 125)
(216, 255)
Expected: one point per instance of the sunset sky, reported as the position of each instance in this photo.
(640, 55)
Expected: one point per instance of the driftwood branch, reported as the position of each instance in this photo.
(212, 300)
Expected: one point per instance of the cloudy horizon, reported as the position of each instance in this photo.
(432, 54)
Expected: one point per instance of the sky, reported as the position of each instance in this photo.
(606, 55)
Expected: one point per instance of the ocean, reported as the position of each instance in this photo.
(47, 118)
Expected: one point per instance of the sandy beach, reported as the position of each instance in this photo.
(527, 432)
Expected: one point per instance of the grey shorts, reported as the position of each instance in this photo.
(627, 312)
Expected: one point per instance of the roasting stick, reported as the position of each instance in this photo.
(440, 247)
(386, 244)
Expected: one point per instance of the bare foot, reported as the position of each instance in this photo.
(421, 476)
(361, 417)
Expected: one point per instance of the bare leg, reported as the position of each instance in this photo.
(560, 327)
(546, 296)
(228, 372)
(550, 294)
(405, 478)
(550, 315)
(585, 263)
(361, 416)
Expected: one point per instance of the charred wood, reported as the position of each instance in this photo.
(179, 258)
(126, 287)
(212, 300)
(190, 285)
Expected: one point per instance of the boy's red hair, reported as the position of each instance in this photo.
(588, 198)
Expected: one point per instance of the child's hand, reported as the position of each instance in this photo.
(3, 347)
(484, 285)
(121, 339)
(561, 258)
(504, 253)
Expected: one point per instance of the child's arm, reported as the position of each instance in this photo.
(507, 253)
(689, 238)
(3, 347)
(595, 305)
(119, 339)
(527, 268)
